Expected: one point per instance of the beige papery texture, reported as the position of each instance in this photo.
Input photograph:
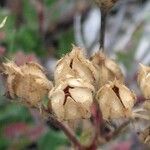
(27, 82)
(115, 100)
(75, 65)
(144, 80)
(71, 99)
(105, 4)
(75, 79)
(107, 69)
(145, 136)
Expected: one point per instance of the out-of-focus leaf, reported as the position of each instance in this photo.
(65, 42)
(3, 22)
(14, 113)
(51, 141)
(30, 14)
(126, 59)
(49, 2)
(3, 143)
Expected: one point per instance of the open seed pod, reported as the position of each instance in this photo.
(107, 69)
(75, 65)
(115, 100)
(71, 99)
(144, 80)
(27, 82)
(145, 136)
(106, 4)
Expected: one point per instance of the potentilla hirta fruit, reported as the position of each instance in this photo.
(115, 100)
(71, 99)
(145, 136)
(75, 65)
(27, 82)
(144, 80)
(106, 4)
(107, 69)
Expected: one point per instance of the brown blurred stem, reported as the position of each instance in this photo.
(67, 132)
(102, 30)
(121, 128)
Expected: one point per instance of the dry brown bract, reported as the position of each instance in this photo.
(28, 82)
(144, 80)
(106, 4)
(71, 99)
(107, 69)
(115, 100)
(75, 65)
(145, 136)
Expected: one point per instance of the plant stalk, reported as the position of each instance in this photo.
(102, 29)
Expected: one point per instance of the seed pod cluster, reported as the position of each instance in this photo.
(78, 82)
(28, 82)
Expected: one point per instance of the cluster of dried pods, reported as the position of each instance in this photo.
(78, 82)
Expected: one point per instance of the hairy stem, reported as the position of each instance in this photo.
(66, 131)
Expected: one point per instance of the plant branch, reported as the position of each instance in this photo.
(98, 120)
(71, 136)
(102, 29)
(121, 128)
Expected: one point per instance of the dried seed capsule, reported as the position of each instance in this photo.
(115, 100)
(145, 136)
(106, 4)
(107, 69)
(71, 99)
(144, 80)
(75, 65)
(27, 82)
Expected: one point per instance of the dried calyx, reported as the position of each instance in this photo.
(145, 136)
(107, 69)
(106, 5)
(75, 65)
(75, 81)
(71, 99)
(144, 80)
(27, 82)
(115, 100)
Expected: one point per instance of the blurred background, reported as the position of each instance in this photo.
(43, 31)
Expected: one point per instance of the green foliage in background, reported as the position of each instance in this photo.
(52, 140)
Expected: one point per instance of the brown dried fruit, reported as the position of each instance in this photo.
(144, 80)
(75, 65)
(71, 99)
(115, 100)
(27, 82)
(107, 69)
(106, 4)
(145, 136)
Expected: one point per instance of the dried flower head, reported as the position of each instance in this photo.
(71, 99)
(144, 80)
(27, 82)
(75, 65)
(145, 136)
(107, 69)
(106, 4)
(115, 100)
